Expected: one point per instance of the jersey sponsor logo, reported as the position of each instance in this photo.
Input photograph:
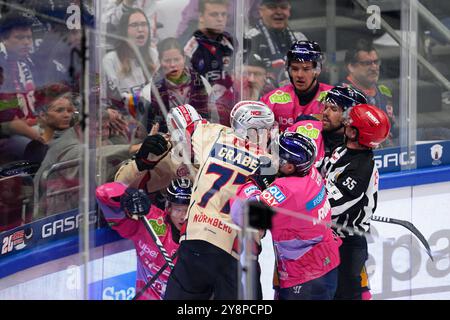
(215, 75)
(234, 156)
(285, 121)
(273, 196)
(309, 131)
(310, 205)
(145, 249)
(250, 190)
(159, 226)
(280, 97)
(214, 222)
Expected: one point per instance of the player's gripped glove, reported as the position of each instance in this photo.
(265, 174)
(260, 215)
(153, 149)
(261, 181)
(135, 203)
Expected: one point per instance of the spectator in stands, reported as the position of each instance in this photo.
(179, 84)
(254, 78)
(363, 72)
(211, 52)
(271, 38)
(62, 186)
(189, 18)
(115, 9)
(18, 85)
(56, 112)
(125, 75)
(64, 146)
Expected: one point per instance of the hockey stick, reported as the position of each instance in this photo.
(158, 243)
(153, 278)
(408, 225)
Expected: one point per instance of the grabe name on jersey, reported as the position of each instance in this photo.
(215, 222)
(273, 196)
(234, 156)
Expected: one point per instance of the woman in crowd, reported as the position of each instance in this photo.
(178, 85)
(125, 75)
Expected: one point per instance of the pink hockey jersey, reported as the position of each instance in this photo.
(149, 259)
(304, 248)
(313, 130)
(286, 107)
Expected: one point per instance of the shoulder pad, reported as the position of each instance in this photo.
(385, 90)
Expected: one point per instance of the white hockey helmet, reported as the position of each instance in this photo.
(251, 115)
(181, 117)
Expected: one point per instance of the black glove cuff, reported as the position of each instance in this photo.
(144, 164)
(261, 181)
(260, 215)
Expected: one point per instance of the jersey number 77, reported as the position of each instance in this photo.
(224, 177)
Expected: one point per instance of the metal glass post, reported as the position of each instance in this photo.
(408, 80)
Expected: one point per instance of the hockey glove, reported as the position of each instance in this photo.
(153, 149)
(265, 174)
(260, 215)
(261, 181)
(135, 203)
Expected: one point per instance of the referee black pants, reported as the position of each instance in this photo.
(353, 253)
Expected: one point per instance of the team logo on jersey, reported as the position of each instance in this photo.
(280, 97)
(183, 171)
(273, 196)
(436, 154)
(159, 226)
(309, 131)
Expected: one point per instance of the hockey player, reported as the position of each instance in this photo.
(335, 103)
(352, 185)
(121, 206)
(226, 156)
(304, 64)
(306, 248)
